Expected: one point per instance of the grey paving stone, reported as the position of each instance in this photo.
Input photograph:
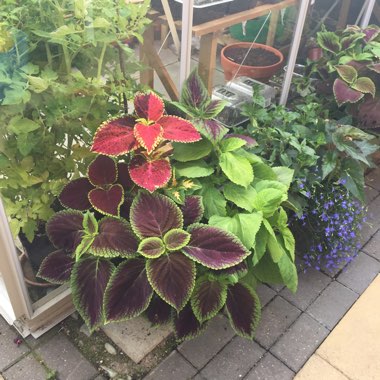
(265, 294)
(26, 369)
(202, 349)
(9, 352)
(372, 248)
(234, 361)
(373, 179)
(173, 367)
(332, 304)
(270, 368)
(276, 287)
(310, 285)
(371, 226)
(197, 377)
(299, 342)
(360, 273)
(59, 354)
(276, 317)
(370, 194)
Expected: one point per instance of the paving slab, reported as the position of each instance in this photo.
(172, 368)
(354, 345)
(372, 248)
(318, 368)
(299, 342)
(265, 294)
(9, 351)
(373, 179)
(234, 361)
(137, 337)
(360, 273)
(27, 368)
(60, 355)
(372, 224)
(332, 304)
(201, 350)
(270, 368)
(370, 194)
(310, 285)
(276, 317)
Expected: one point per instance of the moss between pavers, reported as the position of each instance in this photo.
(92, 348)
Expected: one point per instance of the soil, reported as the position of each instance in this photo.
(256, 57)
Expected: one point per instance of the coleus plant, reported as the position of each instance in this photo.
(146, 137)
(162, 262)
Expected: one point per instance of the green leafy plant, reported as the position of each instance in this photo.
(72, 70)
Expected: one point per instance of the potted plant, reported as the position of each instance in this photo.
(253, 60)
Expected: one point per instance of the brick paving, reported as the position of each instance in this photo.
(292, 328)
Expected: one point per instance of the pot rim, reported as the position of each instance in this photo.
(254, 45)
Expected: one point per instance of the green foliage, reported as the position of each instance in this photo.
(71, 70)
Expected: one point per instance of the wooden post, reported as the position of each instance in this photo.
(207, 59)
(272, 27)
(147, 74)
(343, 14)
(171, 24)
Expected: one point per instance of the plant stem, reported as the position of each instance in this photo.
(101, 59)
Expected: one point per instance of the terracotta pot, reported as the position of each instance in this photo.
(315, 53)
(29, 277)
(256, 72)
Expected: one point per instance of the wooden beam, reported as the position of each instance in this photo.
(272, 27)
(171, 24)
(343, 14)
(207, 59)
(146, 74)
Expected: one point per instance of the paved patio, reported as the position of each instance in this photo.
(292, 329)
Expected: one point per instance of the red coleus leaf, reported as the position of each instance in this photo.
(244, 309)
(56, 267)
(344, 94)
(102, 171)
(75, 194)
(107, 201)
(148, 136)
(186, 324)
(89, 279)
(153, 215)
(179, 130)
(115, 137)
(158, 312)
(128, 293)
(114, 239)
(149, 175)
(65, 229)
(172, 278)
(149, 106)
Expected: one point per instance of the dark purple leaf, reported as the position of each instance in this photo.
(375, 67)
(329, 41)
(213, 108)
(212, 129)
(65, 229)
(194, 92)
(172, 277)
(123, 176)
(125, 208)
(75, 194)
(154, 215)
(370, 33)
(239, 269)
(158, 312)
(192, 210)
(128, 293)
(208, 297)
(107, 201)
(244, 309)
(151, 247)
(102, 171)
(176, 239)
(56, 267)
(115, 239)
(366, 85)
(186, 324)
(214, 248)
(89, 279)
(343, 93)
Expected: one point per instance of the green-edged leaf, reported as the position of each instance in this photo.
(172, 277)
(159, 312)
(186, 324)
(347, 73)
(191, 152)
(213, 201)
(90, 224)
(237, 168)
(232, 143)
(89, 279)
(176, 239)
(214, 248)
(128, 292)
(329, 41)
(240, 196)
(151, 247)
(56, 267)
(244, 226)
(365, 85)
(193, 169)
(244, 309)
(209, 296)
